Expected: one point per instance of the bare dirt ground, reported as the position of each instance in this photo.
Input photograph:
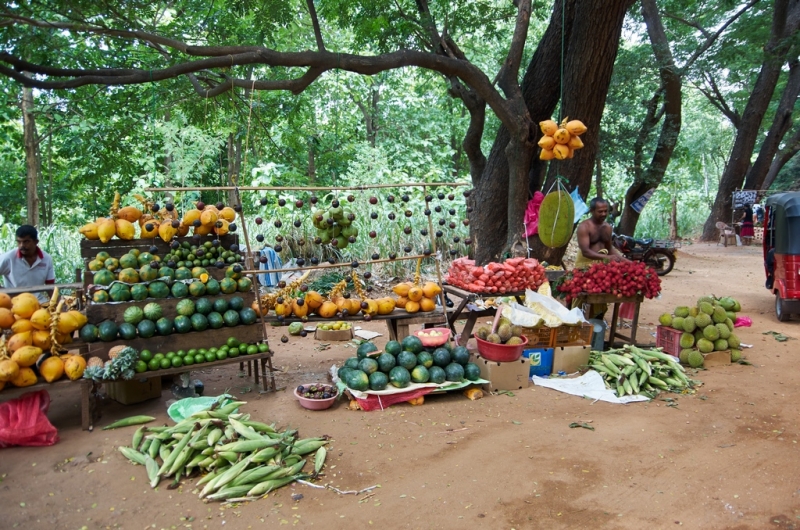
(725, 458)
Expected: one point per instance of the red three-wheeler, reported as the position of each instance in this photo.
(782, 252)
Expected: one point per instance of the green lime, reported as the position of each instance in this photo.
(233, 352)
(140, 367)
(170, 355)
(192, 352)
(177, 361)
(154, 364)
(202, 351)
(165, 363)
(158, 356)
(145, 355)
(180, 353)
(233, 342)
(213, 350)
(210, 357)
(221, 355)
(263, 347)
(188, 360)
(252, 349)
(199, 359)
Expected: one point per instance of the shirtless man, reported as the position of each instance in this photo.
(594, 237)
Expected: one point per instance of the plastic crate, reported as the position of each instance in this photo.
(669, 339)
(541, 361)
(540, 337)
(564, 336)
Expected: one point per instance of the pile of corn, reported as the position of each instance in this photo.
(630, 370)
(239, 458)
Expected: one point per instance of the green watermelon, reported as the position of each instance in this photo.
(454, 372)
(236, 303)
(386, 362)
(412, 344)
(152, 311)
(215, 320)
(425, 359)
(378, 381)
(342, 372)
(107, 331)
(179, 290)
(393, 347)
(158, 290)
(243, 285)
(358, 380)
(352, 363)
(166, 273)
(441, 357)
(133, 315)
(139, 292)
(420, 374)
(472, 371)
(437, 374)
(460, 355)
(146, 328)
(407, 360)
(247, 316)
(203, 306)
(89, 333)
(399, 377)
(212, 287)
(185, 307)
(127, 331)
(164, 326)
(199, 322)
(227, 286)
(182, 324)
(368, 366)
(220, 305)
(231, 318)
(365, 348)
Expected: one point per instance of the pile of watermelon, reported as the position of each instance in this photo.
(515, 274)
(406, 362)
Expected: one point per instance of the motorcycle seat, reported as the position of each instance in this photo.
(646, 242)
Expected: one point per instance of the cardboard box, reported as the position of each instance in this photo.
(504, 376)
(333, 334)
(717, 358)
(134, 391)
(570, 359)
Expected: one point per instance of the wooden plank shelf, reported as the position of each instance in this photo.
(97, 313)
(209, 338)
(213, 272)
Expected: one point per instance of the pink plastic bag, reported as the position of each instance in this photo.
(743, 322)
(626, 310)
(532, 214)
(23, 421)
(382, 402)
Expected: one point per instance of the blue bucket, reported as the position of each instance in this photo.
(540, 360)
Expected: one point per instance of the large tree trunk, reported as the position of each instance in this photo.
(489, 219)
(671, 126)
(748, 131)
(786, 154)
(590, 55)
(33, 166)
(781, 123)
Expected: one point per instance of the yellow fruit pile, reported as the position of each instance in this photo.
(415, 298)
(34, 331)
(560, 141)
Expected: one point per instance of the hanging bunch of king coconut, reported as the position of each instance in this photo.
(119, 223)
(707, 327)
(560, 141)
(206, 219)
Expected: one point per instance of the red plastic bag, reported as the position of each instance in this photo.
(23, 421)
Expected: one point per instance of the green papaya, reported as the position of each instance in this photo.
(556, 218)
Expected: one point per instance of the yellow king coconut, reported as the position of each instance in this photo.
(89, 231)
(26, 356)
(40, 319)
(52, 368)
(71, 321)
(25, 377)
(106, 229)
(24, 305)
(74, 367)
(8, 370)
(124, 229)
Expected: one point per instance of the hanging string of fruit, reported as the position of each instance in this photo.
(414, 297)
(278, 298)
(560, 141)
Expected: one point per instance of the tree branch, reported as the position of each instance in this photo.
(715, 97)
(691, 23)
(508, 77)
(315, 22)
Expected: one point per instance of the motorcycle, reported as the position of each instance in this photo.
(656, 253)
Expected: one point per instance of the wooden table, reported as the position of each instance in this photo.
(466, 298)
(586, 298)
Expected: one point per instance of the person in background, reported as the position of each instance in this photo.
(28, 265)
(747, 233)
(594, 237)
